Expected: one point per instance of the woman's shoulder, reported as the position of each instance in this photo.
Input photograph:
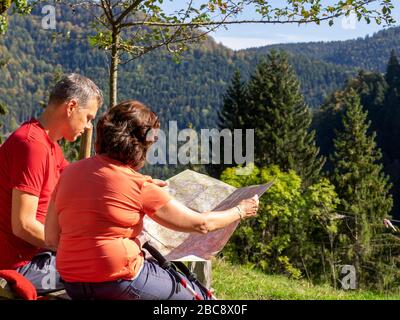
(80, 164)
(120, 170)
(107, 169)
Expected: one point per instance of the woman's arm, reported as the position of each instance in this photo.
(176, 216)
(52, 228)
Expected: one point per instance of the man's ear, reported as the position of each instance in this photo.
(72, 105)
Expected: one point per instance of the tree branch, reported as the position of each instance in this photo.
(128, 10)
(213, 23)
(247, 21)
(105, 5)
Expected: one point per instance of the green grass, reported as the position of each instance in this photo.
(235, 282)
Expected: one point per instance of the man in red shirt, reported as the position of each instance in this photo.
(31, 161)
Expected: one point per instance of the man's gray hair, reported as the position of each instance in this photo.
(75, 86)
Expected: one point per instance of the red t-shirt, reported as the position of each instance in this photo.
(100, 204)
(29, 162)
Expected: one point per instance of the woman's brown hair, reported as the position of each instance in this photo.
(122, 132)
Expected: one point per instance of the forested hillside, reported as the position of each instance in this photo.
(189, 91)
(369, 53)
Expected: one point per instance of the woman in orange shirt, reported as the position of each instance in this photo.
(97, 209)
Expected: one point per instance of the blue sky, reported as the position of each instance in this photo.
(245, 36)
(255, 35)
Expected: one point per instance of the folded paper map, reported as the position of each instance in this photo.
(200, 193)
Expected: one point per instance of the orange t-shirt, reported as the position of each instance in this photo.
(100, 204)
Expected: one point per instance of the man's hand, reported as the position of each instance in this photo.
(160, 183)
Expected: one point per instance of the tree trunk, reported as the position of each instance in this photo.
(86, 144)
(114, 68)
(357, 249)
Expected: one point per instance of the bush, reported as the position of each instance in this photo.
(294, 230)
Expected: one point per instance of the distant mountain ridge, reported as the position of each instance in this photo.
(369, 52)
(189, 92)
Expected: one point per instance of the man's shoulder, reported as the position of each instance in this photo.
(22, 144)
(31, 131)
(29, 135)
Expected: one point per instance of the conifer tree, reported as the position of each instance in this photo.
(392, 109)
(393, 71)
(281, 119)
(231, 117)
(389, 125)
(360, 184)
(234, 104)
